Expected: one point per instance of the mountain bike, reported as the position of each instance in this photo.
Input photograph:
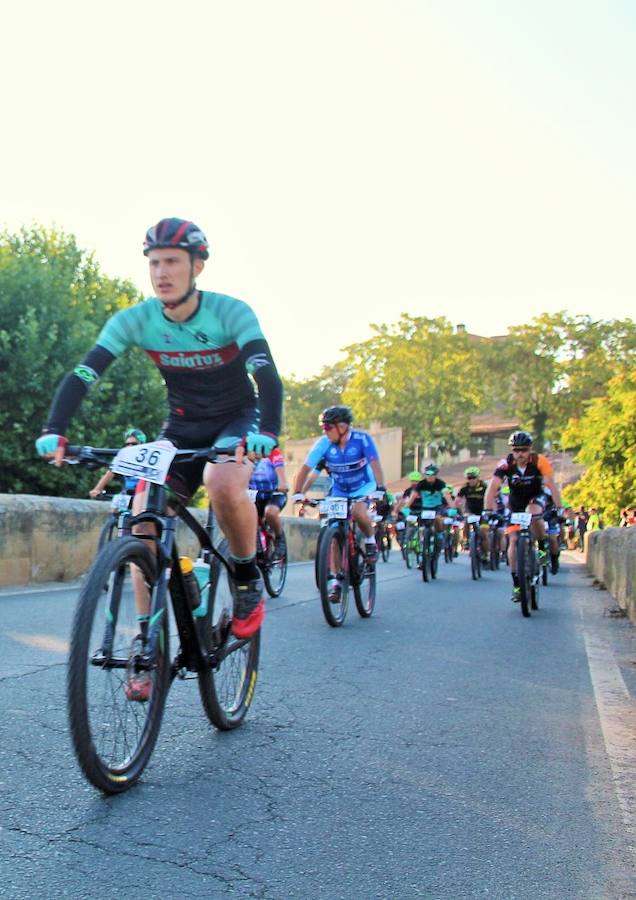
(270, 558)
(495, 523)
(342, 563)
(119, 503)
(430, 545)
(448, 537)
(527, 563)
(113, 735)
(474, 545)
(382, 538)
(411, 550)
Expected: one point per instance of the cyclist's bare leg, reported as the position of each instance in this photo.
(360, 515)
(272, 517)
(226, 484)
(512, 550)
(142, 596)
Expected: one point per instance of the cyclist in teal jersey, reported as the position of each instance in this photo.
(432, 493)
(209, 349)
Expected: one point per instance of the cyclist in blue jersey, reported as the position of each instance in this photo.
(270, 480)
(354, 467)
(132, 437)
(211, 353)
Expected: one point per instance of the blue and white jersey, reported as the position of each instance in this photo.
(349, 465)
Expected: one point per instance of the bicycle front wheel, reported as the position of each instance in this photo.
(475, 560)
(408, 547)
(332, 581)
(524, 573)
(424, 553)
(114, 735)
(227, 685)
(363, 582)
(275, 568)
(109, 530)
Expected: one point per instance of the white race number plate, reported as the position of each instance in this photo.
(336, 507)
(148, 461)
(428, 514)
(251, 493)
(522, 518)
(472, 520)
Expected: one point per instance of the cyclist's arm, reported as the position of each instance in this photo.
(74, 387)
(282, 478)
(493, 489)
(447, 498)
(376, 468)
(101, 484)
(300, 484)
(260, 365)
(548, 481)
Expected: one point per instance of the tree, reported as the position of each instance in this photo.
(548, 369)
(305, 400)
(419, 375)
(605, 436)
(53, 302)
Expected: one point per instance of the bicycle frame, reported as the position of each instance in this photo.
(192, 656)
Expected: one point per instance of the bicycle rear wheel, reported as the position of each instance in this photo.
(331, 569)
(227, 686)
(113, 736)
(363, 582)
(524, 573)
(275, 568)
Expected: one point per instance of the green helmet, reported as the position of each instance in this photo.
(136, 433)
(414, 476)
(472, 472)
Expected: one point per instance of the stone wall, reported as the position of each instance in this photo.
(54, 539)
(611, 556)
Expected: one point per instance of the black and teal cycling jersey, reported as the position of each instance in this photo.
(431, 493)
(205, 361)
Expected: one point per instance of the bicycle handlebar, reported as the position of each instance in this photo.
(84, 456)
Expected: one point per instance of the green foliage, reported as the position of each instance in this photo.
(419, 375)
(53, 303)
(606, 438)
(549, 368)
(305, 400)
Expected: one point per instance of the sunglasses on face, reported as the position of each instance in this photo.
(328, 426)
(131, 444)
(522, 450)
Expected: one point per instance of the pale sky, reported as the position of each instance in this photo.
(349, 160)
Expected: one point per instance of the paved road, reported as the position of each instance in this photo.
(445, 748)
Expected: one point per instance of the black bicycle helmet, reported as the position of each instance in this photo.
(177, 233)
(333, 415)
(520, 439)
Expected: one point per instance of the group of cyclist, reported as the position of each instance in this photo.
(223, 390)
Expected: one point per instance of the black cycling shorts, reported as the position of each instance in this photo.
(185, 478)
